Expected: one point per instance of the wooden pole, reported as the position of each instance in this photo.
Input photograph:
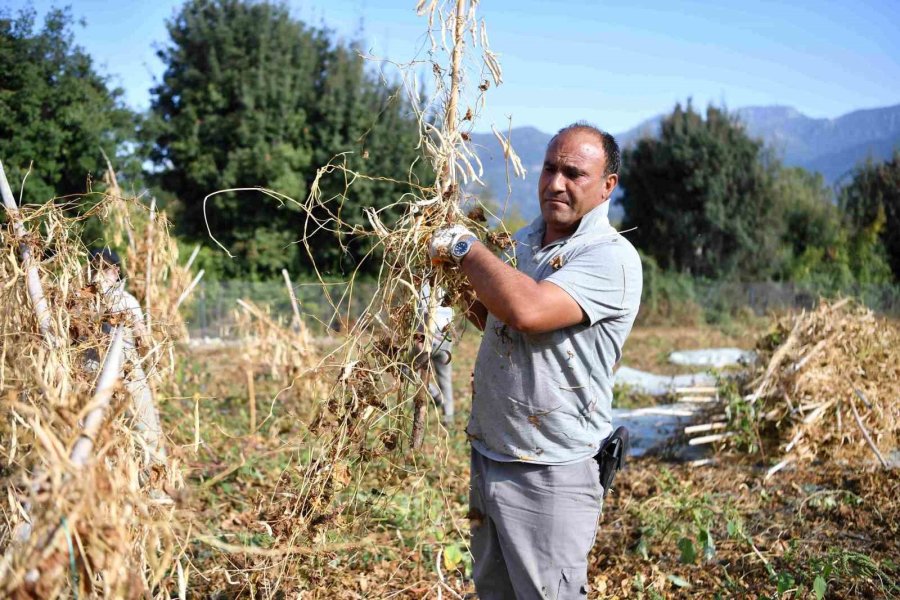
(32, 277)
(106, 385)
(708, 439)
(193, 257)
(251, 391)
(294, 304)
(866, 435)
(148, 273)
(196, 422)
(190, 288)
(704, 427)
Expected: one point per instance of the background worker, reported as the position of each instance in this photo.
(440, 381)
(554, 326)
(117, 302)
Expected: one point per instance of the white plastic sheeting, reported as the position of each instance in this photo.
(713, 357)
(651, 426)
(660, 385)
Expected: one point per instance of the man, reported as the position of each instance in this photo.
(123, 307)
(554, 326)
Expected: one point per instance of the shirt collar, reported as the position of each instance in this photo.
(596, 221)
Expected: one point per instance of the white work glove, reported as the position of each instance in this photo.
(444, 239)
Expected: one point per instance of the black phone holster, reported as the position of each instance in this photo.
(611, 457)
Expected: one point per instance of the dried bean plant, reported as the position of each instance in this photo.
(85, 514)
(827, 388)
(376, 406)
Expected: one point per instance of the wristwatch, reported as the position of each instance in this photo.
(461, 247)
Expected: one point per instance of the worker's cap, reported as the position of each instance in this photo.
(104, 258)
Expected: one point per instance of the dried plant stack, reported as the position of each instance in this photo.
(86, 514)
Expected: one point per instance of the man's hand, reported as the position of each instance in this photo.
(442, 241)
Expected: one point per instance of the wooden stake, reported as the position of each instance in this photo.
(698, 399)
(294, 304)
(196, 422)
(252, 399)
(192, 258)
(708, 439)
(106, 385)
(148, 274)
(866, 435)
(190, 288)
(705, 427)
(778, 467)
(697, 390)
(33, 279)
(775, 362)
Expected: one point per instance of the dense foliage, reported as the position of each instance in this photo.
(821, 245)
(707, 200)
(872, 201)
(700, 196)
(252, 97)
(57, 112)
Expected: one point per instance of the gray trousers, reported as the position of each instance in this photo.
(533, 527)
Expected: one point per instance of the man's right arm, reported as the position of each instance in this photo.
(515, 298)
(510, 295)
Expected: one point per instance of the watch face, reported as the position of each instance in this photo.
(460, 248)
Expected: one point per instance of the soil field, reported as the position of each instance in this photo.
(669, 529)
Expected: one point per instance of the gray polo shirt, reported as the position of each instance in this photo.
(547, 398)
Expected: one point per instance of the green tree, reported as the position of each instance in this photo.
(872, 202)
(814, 232)
(701, 197)
(822, 246)
(56, 110)
(252, 97)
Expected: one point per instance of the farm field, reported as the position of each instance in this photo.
(669, 529)
(217, 310)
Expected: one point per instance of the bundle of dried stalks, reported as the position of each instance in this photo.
(271, 345)
(80, 517)
(152, 263)
(283, 352)
(828, 385)
(377, 375)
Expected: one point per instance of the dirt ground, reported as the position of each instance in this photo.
(669, 530)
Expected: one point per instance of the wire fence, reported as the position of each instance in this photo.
(211, 312)
(767, 296)
(332, 307)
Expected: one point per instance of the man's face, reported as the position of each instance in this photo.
(572, 182)
(105, 273)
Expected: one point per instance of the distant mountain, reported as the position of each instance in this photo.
(830, 146)
(507, 189)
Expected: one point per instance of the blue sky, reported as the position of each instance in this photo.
(612, 63)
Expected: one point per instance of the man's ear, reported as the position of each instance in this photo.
(610, 184)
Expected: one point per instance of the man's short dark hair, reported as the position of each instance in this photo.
(610, 146)
(104, 258)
